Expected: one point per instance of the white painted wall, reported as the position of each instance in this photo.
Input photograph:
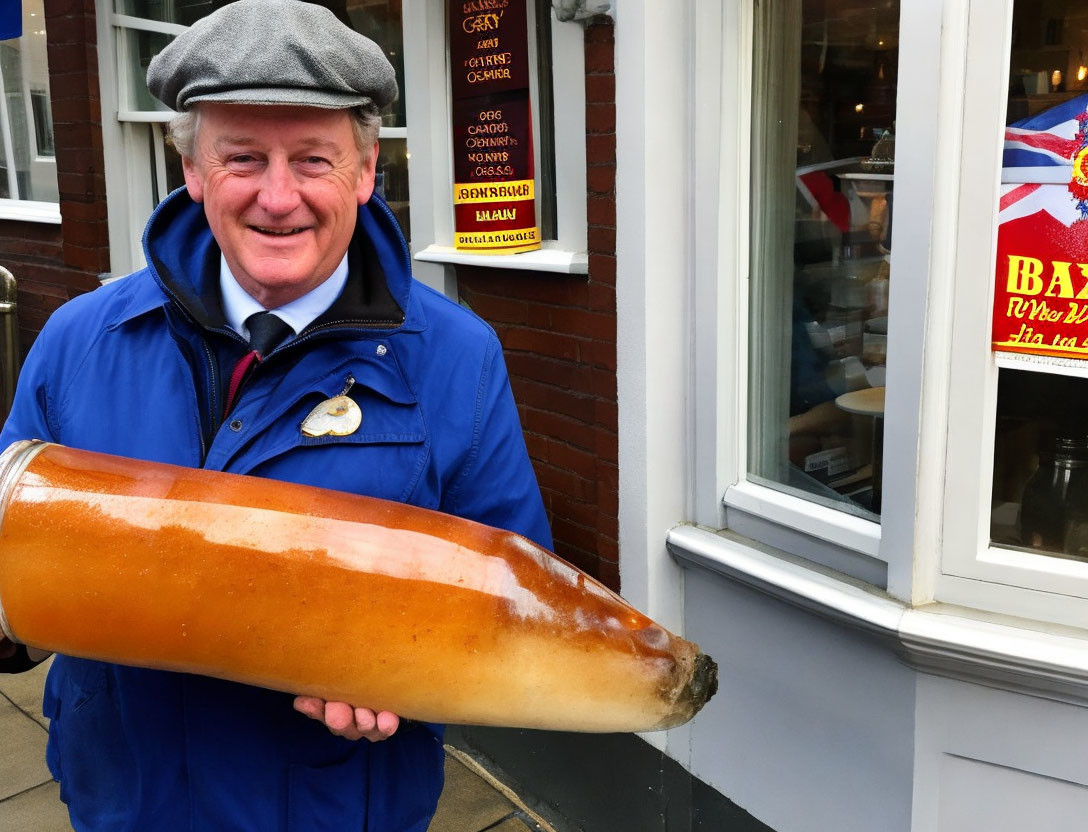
(993, 761)
(813, 725)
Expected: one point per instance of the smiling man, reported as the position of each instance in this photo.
(277, 281)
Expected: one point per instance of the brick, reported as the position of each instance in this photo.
(600, 58)
(602, 269)
(608, 549)
(601, 117)
(545, 343)
(608, 573)
(598, 354)
(547, 423)
(576, 557)
(602, 296)
(606, 413)
(537, 446)
(529, 286)
(87, 259)
(493, 308)
(608, 526)
(74, 134)
(601, 240)
(575, 460)
(576, 511)
(34, 287)
(92, 211)
(88, 234)
(565, 482)
(600, 148)
(606, 446)
(600, 89)
(601, 179)
(601, 210)
(575, 535)
(16, 250)
(599, 326)
(577, 378)
(555, 399)
(600, 30)
(55, 9)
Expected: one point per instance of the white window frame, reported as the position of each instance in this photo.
(426, 71)
(972, 572)
(879, 553)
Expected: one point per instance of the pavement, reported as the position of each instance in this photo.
(473, 801)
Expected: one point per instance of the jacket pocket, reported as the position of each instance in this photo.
(384, 457)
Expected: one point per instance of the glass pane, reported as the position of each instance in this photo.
(142, 47)
(30, 170)
(1040, 492)
(823, 166)
(184, 12)
(380, 20)
(1040, 484)
(392, 179)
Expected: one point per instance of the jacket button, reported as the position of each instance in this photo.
(236, 425)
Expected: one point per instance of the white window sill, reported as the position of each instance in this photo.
(819, 521)
(971, 645)
(27, 211)
(547, 259)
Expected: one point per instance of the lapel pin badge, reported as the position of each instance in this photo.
(338, 416)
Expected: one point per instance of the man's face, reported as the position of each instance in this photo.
(281, 186)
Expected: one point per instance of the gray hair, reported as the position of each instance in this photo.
(182, 129)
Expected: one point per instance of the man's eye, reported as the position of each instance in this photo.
(315, 163)
(242, 160)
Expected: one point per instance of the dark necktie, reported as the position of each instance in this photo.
(266, 332)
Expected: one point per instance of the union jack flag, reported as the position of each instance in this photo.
(1047, 140)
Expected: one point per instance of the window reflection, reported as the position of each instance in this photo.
(823, 168)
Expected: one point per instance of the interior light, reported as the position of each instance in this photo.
(858, 108)
(1082, 73)
(1056, 78)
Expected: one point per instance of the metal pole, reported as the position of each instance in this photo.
(9, 339)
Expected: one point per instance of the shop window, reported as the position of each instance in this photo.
(28, 168)
(1040, 481)
(823, 173)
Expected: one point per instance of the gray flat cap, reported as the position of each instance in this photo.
(272, 52)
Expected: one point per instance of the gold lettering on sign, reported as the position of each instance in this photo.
(1026, 278)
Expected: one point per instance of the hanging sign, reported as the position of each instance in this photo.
(1041, 292)
(493, 189)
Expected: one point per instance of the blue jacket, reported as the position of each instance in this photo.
(137, 368)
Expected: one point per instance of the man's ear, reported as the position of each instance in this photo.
(194, 182)
(364, 188)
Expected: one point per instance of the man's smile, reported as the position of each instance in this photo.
(278, 232)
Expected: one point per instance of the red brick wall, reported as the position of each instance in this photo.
(53, 264)
(559, 337)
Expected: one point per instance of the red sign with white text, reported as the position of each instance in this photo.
(494, 191)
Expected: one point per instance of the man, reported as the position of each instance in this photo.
(278, 138)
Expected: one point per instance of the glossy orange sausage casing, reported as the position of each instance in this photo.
(318, 592)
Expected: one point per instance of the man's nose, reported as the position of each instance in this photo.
(279, 192)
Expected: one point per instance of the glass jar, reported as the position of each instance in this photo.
(1054, 505)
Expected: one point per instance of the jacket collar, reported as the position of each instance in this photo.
(183, 262)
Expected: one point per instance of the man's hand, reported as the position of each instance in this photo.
(347, 721)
